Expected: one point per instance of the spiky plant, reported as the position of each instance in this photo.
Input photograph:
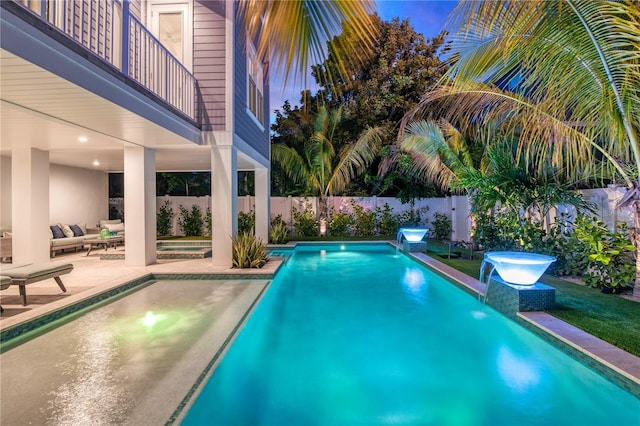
(248, 251)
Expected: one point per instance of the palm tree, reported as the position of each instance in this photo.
(563, 75)
(291, 33)
(493, 175)
(319, 167)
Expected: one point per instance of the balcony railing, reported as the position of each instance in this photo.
(110, 31)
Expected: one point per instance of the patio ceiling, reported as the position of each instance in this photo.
(42, 110)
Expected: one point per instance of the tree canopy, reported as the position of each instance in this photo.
(381, 88)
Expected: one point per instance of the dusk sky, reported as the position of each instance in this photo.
(427, 17)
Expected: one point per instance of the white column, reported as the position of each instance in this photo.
(30, 205)
(139, 206)
(263, 207)
(224, 203)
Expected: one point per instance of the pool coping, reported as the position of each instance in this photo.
(619, 366)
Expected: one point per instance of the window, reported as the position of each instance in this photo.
(255, 99)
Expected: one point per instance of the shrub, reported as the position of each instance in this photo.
(248, 251)
(247, 222)
(610, 256)
(340, 223)
(278, 232)
(365, 221)
(388, 223)
(190, 221)
(412, 216)
(164, 217)
(441, 226)
(208, 222)
(305, 223)
(571, 253)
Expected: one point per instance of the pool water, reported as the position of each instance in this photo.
(362, 335)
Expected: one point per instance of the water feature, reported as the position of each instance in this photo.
(521, 268)
(411, 234)
(515, 268)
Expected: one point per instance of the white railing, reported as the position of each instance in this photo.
(108, 30)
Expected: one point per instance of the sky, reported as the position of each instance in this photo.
(427, 17)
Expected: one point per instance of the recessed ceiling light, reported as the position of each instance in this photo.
(96, 163)
(83, 139)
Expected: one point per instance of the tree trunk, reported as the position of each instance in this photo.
(323, 215)
(636, 239)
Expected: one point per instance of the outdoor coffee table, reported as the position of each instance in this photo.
(98, 242)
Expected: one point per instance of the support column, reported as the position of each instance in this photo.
(224, 203)
(139, 206)
(30, 205)
(263, 207)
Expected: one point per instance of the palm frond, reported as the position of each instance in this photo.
(292, 34)
(577, 61)
(291, 162)
(355, 158)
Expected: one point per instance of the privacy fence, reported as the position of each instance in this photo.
(455, 208)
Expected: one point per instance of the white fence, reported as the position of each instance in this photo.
(455, 207)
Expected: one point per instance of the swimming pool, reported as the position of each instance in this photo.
(362, 335)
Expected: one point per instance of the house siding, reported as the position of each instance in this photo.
(209, 59)
(245, 125)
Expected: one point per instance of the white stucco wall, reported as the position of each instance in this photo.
(5, 191)
(78, 196)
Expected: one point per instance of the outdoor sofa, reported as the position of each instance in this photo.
(63, 236)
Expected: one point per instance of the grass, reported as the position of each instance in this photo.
(607, 316)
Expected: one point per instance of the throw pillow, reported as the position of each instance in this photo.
(57, 232)
(77, 231)
(66, 230)
(50, 233)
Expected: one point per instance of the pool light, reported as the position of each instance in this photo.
(150, 319)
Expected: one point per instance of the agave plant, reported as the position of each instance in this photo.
(248, 251)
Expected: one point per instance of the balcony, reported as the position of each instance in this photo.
(112, 33)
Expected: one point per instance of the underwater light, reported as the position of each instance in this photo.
(150, 319)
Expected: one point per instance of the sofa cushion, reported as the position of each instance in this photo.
(114, 227)
(57, 232)
(66, 230)
(77, 231)
(109, 222)
(68, 242)
(50, 234)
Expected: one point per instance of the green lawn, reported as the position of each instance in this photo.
(607, 316)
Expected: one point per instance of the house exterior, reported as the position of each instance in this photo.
(134, 86)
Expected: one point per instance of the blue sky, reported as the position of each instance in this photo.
(427, 17)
